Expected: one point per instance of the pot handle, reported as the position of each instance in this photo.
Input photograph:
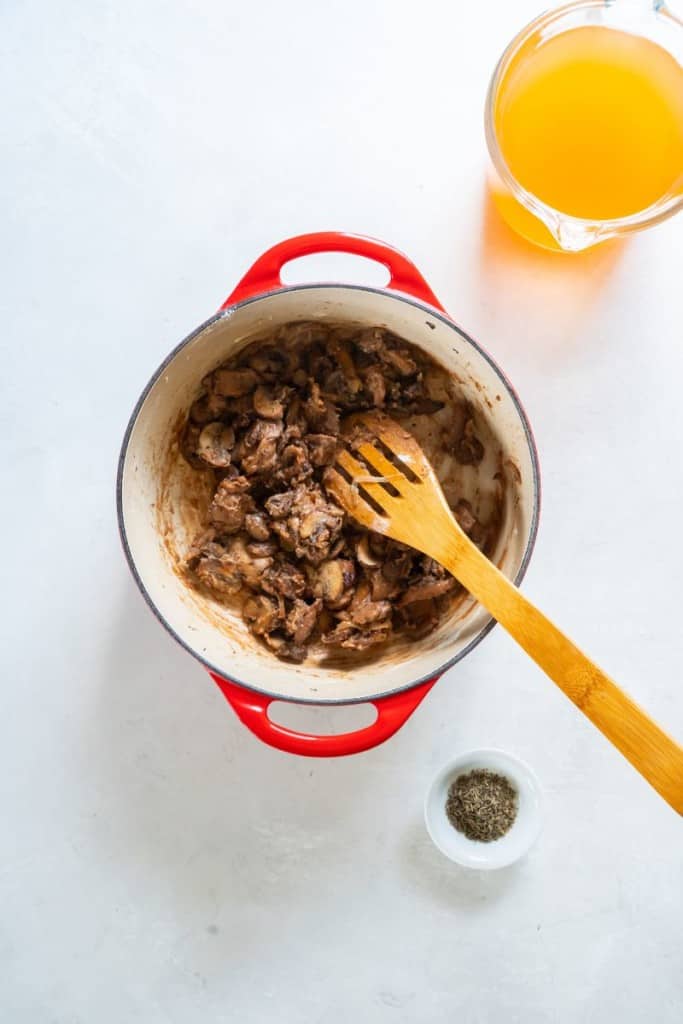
(393, 711)
(264, 275)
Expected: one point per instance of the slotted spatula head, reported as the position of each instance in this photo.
(384, 480)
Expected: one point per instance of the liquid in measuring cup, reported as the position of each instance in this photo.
(589, 121)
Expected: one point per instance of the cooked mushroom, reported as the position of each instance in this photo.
(320, 412)
(261, 548)
(199, 547)
(317, 524)
(334, 577)
(208, 407)
(469, 451)
(218, 575)
(404, 365)
(375, 384)
(322, 449)
(266, 403)
(267, 361)
(260, 444)
(293, 465)
(366, 612)
(279, 505)
(381, 588)
(285, 579)
(363, 553)
(302, 619)
(426, 589)
(230, 504)
(371, 340)
(358, 638)
(267, 430)
(340, 351)
(233, 383)
(227, 569)
(262, 614)
(215, 444)
(398, 564)
(283, 649)
(256, 526)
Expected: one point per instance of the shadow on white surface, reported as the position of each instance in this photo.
(516, 275)
(448, 884)
(202, 820)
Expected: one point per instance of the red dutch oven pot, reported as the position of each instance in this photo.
(155, 531)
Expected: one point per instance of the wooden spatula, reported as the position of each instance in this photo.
(387, 484)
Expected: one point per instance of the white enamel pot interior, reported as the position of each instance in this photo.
(156, 528)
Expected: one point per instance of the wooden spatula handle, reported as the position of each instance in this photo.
(657, 757)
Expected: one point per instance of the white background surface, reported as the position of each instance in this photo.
(159, 864)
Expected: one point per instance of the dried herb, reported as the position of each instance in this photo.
(482, 805)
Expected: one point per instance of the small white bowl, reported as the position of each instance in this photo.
(499, 853)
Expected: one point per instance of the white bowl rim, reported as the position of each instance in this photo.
(497, 854)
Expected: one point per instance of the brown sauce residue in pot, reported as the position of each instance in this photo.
(270, 542)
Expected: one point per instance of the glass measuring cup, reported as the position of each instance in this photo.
(547, 212)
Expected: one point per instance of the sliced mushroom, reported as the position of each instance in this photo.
(381, 588)
(302, 619)
(358, 638)
(200, 546)
(208, 408)
(320, 412)
(222, 577)
(280, 505)
(375, 384)
(233, 383)
(242, 410)
(261, 548)
(283, 649)
(398, 566)
(371, 340)
(268, 428)
(364, 555)
(322, 449)
(267, 405)
(215, 444)
(226, 569)
(256, 526)
(302, 332)
(285, 579)
(230, 505)
(426, 590)
(261, 614)
(368, 612)
(334, 577)
(271, 363)
(293, 464)
(341, 353)
(261, 444)
(400, 361)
